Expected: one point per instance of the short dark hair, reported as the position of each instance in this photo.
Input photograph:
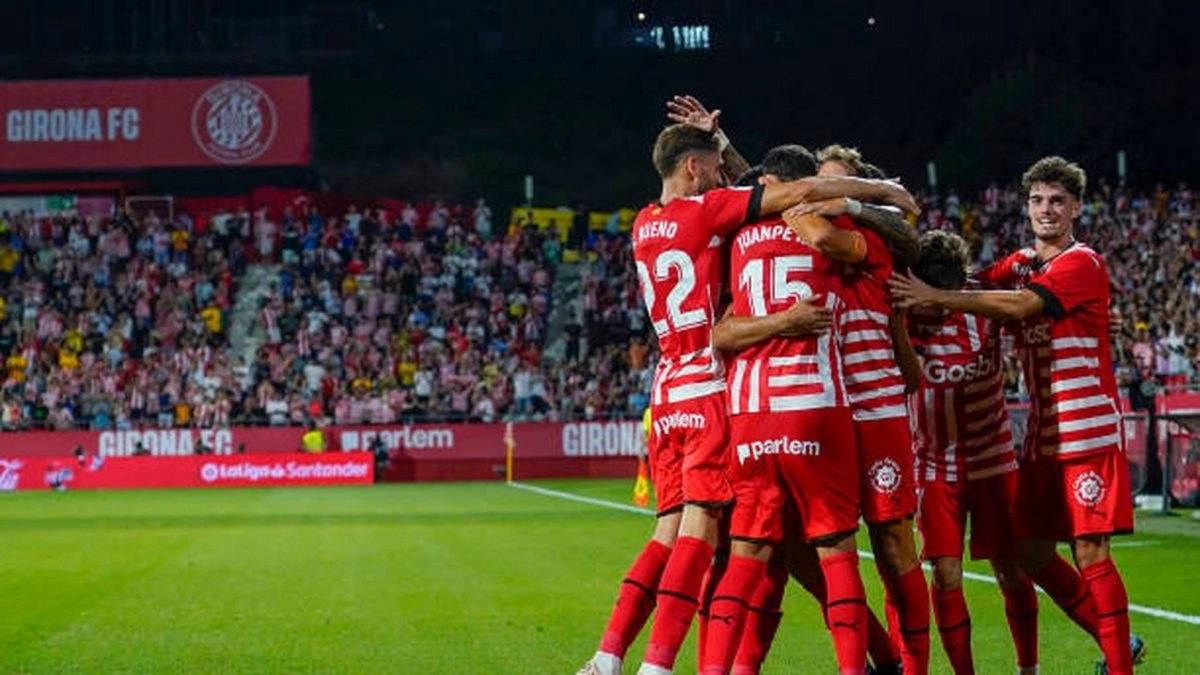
(676, 142)
(942, 259)
(789, 162)
(1055, 169)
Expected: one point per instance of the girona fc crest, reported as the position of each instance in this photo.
(1089, 488)
(885, 476)
(234, 122)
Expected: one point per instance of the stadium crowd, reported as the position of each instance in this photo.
(434, 313)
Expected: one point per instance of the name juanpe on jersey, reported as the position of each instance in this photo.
(763, 232)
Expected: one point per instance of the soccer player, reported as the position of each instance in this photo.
(966, 462)
(879, 368)
(790, 428)
(1074, 481)
(677, 244)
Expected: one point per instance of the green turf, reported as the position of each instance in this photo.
(445, 578)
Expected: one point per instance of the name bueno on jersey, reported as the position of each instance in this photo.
(770, 269)
(677, 251)
(1065, 352)
(961, 426)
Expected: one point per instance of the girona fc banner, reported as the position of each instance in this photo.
(132, 124)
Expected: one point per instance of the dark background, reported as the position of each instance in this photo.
(458, 98)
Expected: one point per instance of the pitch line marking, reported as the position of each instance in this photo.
(1140, 609)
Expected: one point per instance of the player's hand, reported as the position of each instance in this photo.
(828, 208)
(690, 111)
(895, 194)
(806, 317)
(908, 291)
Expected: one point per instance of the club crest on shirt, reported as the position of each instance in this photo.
(1089, 488)
(885, 476)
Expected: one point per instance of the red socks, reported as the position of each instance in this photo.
(954, 626)
(1112, 614)
(880, 645)
(727, 613)
(910, 595)
(677, 600)
(762, 621)
(1021, 608)
(1064, 585)
(635, 600)
(846, 611)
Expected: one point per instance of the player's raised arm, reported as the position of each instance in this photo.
(735, 333)
(908, 291)
(839, 244)
(689, 110)
(906, 355)
(781, 196)
(885, 221)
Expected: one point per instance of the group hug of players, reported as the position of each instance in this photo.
(820, 364)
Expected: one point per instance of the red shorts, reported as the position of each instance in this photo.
(810, 459)
(1063, 499)
(888, 467)
(689, 453)
(942, 511)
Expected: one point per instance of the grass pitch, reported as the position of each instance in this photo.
(433, 578)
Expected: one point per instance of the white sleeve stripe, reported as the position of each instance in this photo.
(1074, 362)
(1090, 444)
(1082, 403)
(801, 402)
(881, 413)
(796, 360)
(1087, 382)
(896, 390)
(793, 380)
(687, 392)
(866, 376)
(865, 335)
(872, 355)
(863, 315)
(1074, 343)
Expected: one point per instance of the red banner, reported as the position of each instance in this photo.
(130, 124)
(46, 473)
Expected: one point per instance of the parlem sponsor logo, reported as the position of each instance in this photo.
(406, 437)
(784, 445)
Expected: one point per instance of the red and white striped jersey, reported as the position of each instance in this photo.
(769, 270)
(1065, 352)
(874, 383)
(960, 424)
(677, 249)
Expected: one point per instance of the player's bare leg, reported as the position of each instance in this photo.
(636, 598)
(900, 570)
(1021, 610)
